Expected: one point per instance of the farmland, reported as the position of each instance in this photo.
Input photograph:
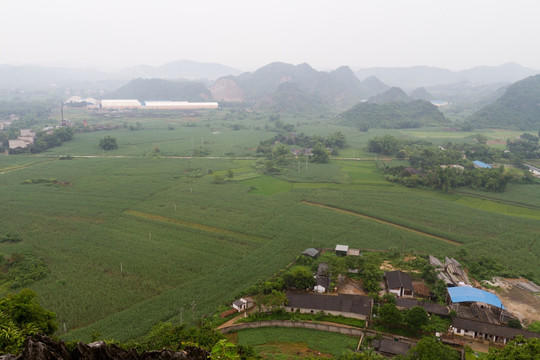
(135, 236)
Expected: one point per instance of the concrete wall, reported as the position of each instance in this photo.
(293, 324)
(335, 313)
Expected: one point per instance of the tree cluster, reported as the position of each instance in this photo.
(21, 316)
(46, 141)
(108, 143)
(445, 168)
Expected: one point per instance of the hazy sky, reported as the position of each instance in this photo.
(248, 34)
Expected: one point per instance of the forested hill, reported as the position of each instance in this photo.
(159, 89)
(334, 90)
(518, 108)
(395, 115)
(391, 95)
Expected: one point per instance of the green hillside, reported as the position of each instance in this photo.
(391, 95)
(518, 108)
(393, 115)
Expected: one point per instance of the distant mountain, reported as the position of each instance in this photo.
(506, 73)
(394, 94)
(421, 94)
(34, 77)
(396, 115)
(339, 89)
(160, 89)
(375, 86)
(518, 108)
(426, 76)
(289, 98)
(183, 69)
(465, 92)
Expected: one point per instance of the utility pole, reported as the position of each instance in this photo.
(181, 315)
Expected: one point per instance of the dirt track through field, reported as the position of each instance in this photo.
(381, 221)
(193, 225)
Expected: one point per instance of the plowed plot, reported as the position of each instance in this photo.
(521, 303)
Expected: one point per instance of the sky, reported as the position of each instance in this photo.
(248, 34)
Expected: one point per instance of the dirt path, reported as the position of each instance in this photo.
(193, 225)
(382, 221)
(18, 167)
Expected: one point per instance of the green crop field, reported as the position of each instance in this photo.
(329, 343)
(133, 236)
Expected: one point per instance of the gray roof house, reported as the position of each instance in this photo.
(354, 306)
(390, 347)
(399, 283)
(488, 331)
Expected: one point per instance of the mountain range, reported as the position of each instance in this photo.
(338, 89)
(425, 76)
(42, 77)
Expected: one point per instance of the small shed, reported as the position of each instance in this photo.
(341, 250)
(421, 289)
(240, 304)
(391, 348)
(311, 252)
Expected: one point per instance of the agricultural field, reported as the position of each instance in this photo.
(135, 236)
(270, 342)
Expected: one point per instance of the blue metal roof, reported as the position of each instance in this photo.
(481, 164)
(469, 294)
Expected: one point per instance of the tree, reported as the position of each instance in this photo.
(108, 143)
(320, 155)
(224, 349)
(429, 348)
(386, 145)
(517, 349)
(416, 318)
(21, 316)
(368, 354)
(299, 277)
(389, 315)
(482, 139)
(515, 323)
(276, 299)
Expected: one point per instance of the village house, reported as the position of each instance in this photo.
(353, 306)
(322, 278)
(390, 347)
(25, 139)
(487, 331)
(242, 304)
(399, 283)
(431, 308)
